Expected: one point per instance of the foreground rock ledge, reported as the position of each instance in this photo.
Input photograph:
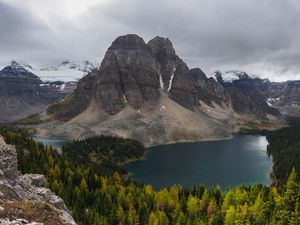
(23, 200)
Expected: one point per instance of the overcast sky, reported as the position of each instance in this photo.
(259, 36)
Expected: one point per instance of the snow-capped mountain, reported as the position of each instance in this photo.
(80, 65)
(14, 69)
(23, 93)
(232, 75)
(67, 71)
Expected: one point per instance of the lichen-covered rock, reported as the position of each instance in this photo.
(22, 197)
(8, 162)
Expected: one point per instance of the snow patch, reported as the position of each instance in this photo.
(161, 83)
(162, 108)
(271, 101)
(124, 97)
(171, 81)
(62, 87)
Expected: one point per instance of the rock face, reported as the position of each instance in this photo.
(23, 200)
(22, 93)
(135, 73)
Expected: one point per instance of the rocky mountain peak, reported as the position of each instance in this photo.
(15, 69)
(128, 42)
(161, 46)
(16, 66)
(164, 53)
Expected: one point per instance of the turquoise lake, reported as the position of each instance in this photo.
(240, 160)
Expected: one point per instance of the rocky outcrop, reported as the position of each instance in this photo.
(23, 199)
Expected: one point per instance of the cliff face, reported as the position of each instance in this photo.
(23, 200)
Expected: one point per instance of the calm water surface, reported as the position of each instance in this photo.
(240, 160)
(55, 143)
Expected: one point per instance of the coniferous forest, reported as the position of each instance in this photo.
(89, 177)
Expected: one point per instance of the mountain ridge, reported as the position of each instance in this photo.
(146, 92)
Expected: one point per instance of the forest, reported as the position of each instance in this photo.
(101, 198)
(284, 147)
(103, 153)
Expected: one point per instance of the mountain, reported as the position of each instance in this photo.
(146, 92)
(23, 93)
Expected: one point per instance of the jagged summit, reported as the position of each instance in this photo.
(128, 42)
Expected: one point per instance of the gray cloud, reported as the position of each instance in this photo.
(260, 36)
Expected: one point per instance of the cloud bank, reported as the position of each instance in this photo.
(258, 36)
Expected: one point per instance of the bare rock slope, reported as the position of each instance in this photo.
(23, 200)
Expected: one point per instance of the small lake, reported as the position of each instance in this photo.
(55, 143)
(240, 160)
